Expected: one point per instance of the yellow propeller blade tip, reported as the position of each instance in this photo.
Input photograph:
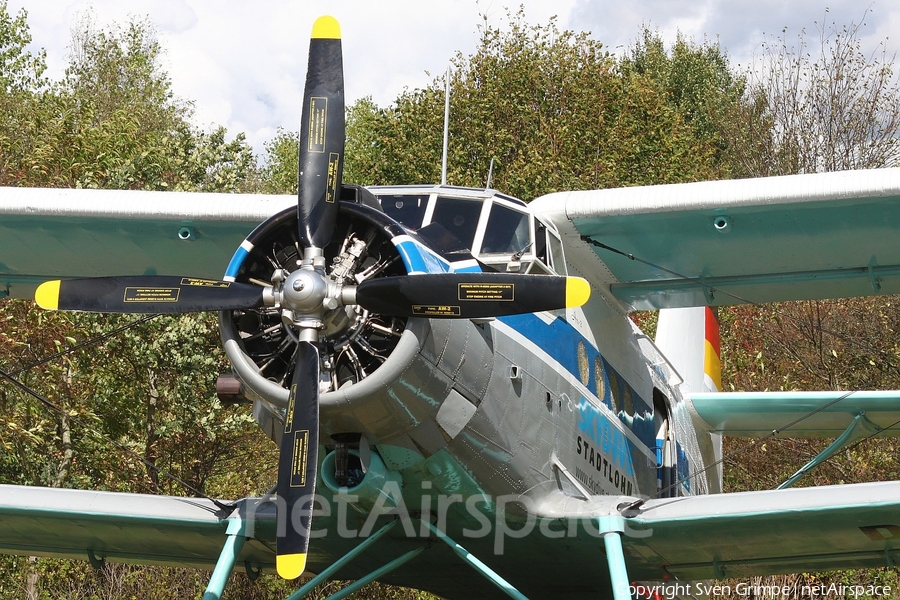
(290, 566)
(578, 291)
(47, 295)
(326, 28)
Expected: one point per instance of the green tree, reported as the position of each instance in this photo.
(362, 148)
(697, 79)
(129, 129)
(282, 163)
(22, 89)
(121, 415)
(112, 122)
(555, 111)
(19, 69)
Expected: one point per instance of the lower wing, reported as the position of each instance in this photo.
(778, 531)
(702, 537)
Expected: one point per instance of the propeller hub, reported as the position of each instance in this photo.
(305, 291)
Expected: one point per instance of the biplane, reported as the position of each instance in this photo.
(461, 401)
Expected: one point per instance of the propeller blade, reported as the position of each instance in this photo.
(321, 136)
(147, 294)
(297, 462)
(470, 295)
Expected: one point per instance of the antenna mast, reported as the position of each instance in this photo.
(446, 129)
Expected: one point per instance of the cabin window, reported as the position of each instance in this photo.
(507, 231)
(459, 217)
(407, 210)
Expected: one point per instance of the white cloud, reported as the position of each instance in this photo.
(243, 64)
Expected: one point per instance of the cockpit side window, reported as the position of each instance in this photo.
(540, 241)
(459, 217)
(557, 260)
(506, 232)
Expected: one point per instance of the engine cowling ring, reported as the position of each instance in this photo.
(256, 340)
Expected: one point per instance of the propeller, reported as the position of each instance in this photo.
(319, 184)
(305, 295)
(147, 294)
(297, 461)
(436, 295)
(469, 295)
(321, 136)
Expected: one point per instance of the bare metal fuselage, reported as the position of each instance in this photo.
(524, 406)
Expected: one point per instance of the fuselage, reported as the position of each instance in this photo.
(577, 401)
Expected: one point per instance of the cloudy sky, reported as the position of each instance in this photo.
(243, 63)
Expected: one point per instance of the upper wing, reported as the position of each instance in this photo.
(796, 237)
(59, 233)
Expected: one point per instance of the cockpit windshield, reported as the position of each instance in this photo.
(459, 216)
(507, 231)
(406, 209)
(498, 230)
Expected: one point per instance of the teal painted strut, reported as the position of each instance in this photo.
(611, 528)
(230, 551)
(327, 572)
(860, 427)
(376, 574)
(488, 573)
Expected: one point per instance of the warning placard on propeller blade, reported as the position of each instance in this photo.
(318, 113)
(500, 292)
(289, 415)
(436, 311)
(151, 294)
(298, 462)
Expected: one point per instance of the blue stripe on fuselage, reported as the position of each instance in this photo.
(418, 259)
(601, 432)
(560, 340)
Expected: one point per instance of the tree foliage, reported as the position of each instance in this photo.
(820, 105)
(112, 122)
(282, 163)
(697, 80)
(19, 69)
(555, 111)
(136, 411)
